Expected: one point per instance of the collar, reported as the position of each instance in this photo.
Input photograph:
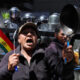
(60, 44)
(36, 51)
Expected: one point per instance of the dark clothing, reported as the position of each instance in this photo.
(35, 71)
(58, 70)
(14, 23)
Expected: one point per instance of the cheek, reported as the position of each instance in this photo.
(20, 39)
(60, 38)
(35, 39)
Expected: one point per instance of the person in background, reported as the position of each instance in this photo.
(12, 18)
(15, 20)
(26, 62)
(59, 57)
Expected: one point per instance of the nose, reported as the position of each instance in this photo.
(29, 34)
(65, 36)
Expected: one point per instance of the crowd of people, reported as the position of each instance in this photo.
(30, 61)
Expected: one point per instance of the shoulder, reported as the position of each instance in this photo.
(51, 48)
(51, 54)
(7, 55)
(4, 60)
(39, 52)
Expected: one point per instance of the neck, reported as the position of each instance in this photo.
(24, 52)
(27, 55)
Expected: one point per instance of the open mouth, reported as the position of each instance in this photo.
(29, 41)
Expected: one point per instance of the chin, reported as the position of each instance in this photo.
(30, 48)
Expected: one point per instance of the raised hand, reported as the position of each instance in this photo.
(13, 61)
(67, 52)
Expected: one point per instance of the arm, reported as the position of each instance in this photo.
(7, 65)
(68, 68)
(4, 73)
(53, 62)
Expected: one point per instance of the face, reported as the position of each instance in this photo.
(14, 15)
(28, 39)
(61, 36)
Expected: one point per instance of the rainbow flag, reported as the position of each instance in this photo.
(5, 44)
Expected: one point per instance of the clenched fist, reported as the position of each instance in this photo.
(67, 52)
(13, 61)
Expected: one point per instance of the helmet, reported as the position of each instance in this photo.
(54, 18)
(28, 17)
(42, 23)
(43, 18)
(53, 21)
(14, 12)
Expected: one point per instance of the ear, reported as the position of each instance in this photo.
(19, 40)
(55, 35)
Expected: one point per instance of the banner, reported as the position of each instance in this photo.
(5, 44)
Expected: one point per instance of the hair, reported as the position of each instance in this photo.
(57, 29)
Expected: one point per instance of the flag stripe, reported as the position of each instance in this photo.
(5, 44)
(3, 48)
(4, 37)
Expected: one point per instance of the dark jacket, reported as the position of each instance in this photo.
(35, 71)
(58, 70)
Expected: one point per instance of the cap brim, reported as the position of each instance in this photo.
(27, 25)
